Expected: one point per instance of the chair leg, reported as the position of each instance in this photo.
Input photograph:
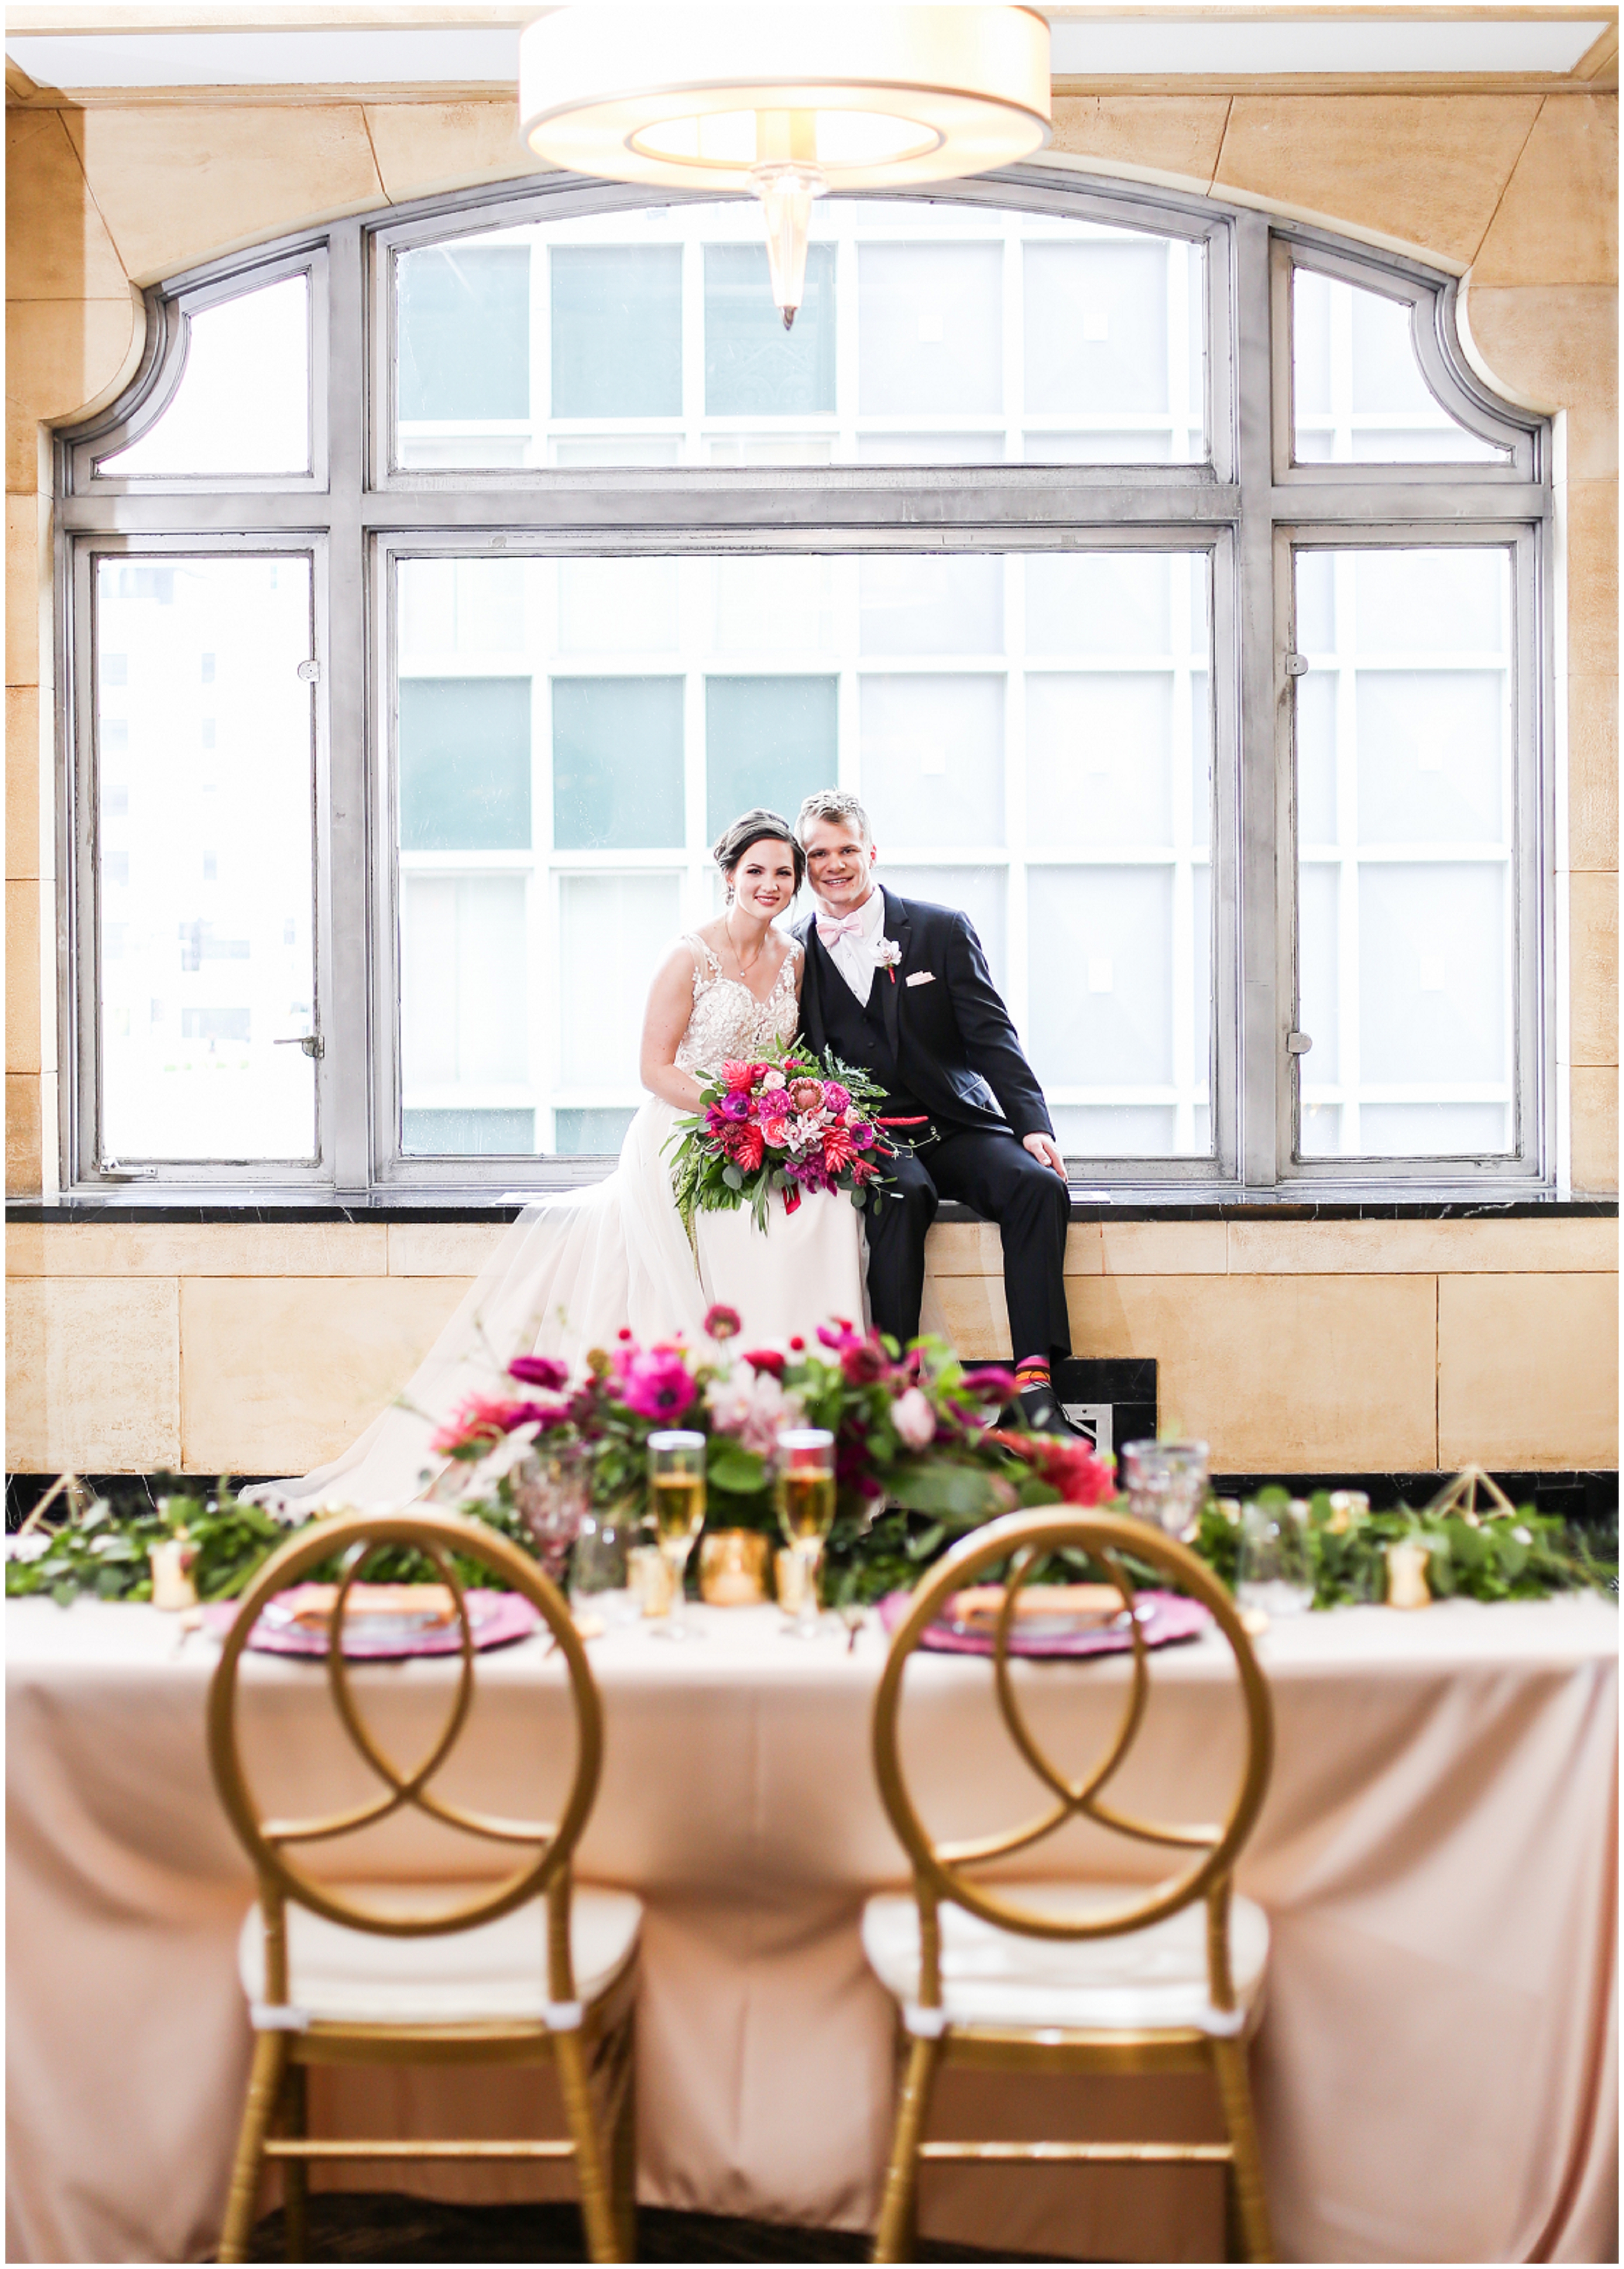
(597, 2210)
(1248, 2211)
(264, 2088)
(295, 2172)
(624, 2145)
(894, 2239)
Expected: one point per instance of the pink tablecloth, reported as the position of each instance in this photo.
(1436, 2075)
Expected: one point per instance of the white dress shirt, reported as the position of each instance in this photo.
(853, 955)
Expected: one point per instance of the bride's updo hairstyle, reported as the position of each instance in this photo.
(759, 826)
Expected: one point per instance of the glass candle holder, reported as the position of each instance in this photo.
(552, 1490)
(676, 1496)
(1276, 1573)
(1166, 1483)
(805, 1490)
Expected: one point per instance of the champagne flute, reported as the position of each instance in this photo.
(676, 1485)
(806, 1502)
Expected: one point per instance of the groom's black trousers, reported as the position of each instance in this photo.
(994, 1175)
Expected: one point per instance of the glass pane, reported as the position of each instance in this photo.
(243, 403)
(618, 606)
(1099, 759)
(759, 605)
(616, 331)
(930, 328)
(929, 333)
(910, 604)
(618, 927)
(1100, 602)
(769, 741)
(1358, 393)
(205, 794)
(465, 764)
(1123, 1130)
(981, 892)
(753, 367)
(468, 1133)
(933, 760)
(464, 317)
(590, 1133)
(464, 1019)
(616, 762)
(1405, 802)
(1101, 975)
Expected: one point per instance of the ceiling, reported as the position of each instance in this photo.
(81, 49)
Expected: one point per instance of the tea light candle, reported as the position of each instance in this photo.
(1406, 1574)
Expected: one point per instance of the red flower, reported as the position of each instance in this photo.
(767, 1359)
(1070, 1467)
(839, 1150)
(738, 1077)
(721, 1322)
(797, 1344)
(862, 1363)
(747, 1148)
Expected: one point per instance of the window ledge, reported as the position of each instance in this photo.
(175, 1206)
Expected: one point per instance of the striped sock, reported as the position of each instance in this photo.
(1032, 1371)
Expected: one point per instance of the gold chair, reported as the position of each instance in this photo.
(1065, 1977)
(528, 1970)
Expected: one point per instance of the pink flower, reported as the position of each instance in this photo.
(835, 1097)
(773, 1079)
(655, 1382)
(538, 1370)
(991, 1385)
(722, 1322)
(775, 1133)
(807, 1094)
(915, 1419)
(739, 1077)
(735, 1104)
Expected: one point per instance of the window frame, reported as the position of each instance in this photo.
(362, 513)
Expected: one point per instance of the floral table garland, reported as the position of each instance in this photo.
(919, 1461)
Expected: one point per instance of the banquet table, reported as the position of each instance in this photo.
(1435, 2067)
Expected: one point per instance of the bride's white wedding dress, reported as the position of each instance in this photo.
(577, 1267)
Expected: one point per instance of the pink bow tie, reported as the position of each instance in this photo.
(847, 925)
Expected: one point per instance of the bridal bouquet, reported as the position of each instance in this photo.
(789, 1124)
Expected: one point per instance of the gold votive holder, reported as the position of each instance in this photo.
(789, 1575)
(733, 1568)
(1406, 1574)
(171, 1562)
(648, 1580)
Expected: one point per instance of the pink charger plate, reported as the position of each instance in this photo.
(1172, 1619)
(500, 1619)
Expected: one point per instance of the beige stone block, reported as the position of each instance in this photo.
(1592, 512)
(1528, 1371)
(1593, 772)
(23, 1135)
(180, 183)
(1550, 347)
(23, 590)
(28, 850)
(23, 450)
(1558, 220)
(442, 1248)
(1164, 1248)
(245, 1249)
(1426, 1248)
(93, 1375)
(1279, 1374)
(965, 1248)
(970, 1311)
(22, 977)
(1593, 936)
(280, 1374)
(57, 244)
(425, 147)
(1421, 171)
(67, 358)
(1593, 1124)
(1144, 137)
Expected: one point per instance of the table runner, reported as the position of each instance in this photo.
(1435, 2073)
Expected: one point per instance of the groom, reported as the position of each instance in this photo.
(901, 988)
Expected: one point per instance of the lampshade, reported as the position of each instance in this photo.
(700, 97)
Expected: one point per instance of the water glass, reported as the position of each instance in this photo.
(1166, 1483)
(552, 1489)
(600, 1571)
(1276, 1570)
(806, 1502)
(676, 1493)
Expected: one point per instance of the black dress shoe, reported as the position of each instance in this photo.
(1040, 1412)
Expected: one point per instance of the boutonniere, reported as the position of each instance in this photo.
(887, 954)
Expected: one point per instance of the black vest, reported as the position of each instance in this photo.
(855, 1030)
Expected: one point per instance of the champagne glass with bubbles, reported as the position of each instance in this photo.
(806, 1498)
(677, 1487)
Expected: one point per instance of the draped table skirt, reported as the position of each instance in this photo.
(1435, 2069)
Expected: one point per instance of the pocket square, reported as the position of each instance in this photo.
(921, 976)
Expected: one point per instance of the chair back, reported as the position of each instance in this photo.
(941, 1869)
(546, 1846)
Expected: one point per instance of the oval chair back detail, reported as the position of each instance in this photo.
(1063, 1975)
(524, 1968)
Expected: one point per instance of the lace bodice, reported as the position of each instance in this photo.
(727, 1019)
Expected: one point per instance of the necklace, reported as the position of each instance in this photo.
(745, 967)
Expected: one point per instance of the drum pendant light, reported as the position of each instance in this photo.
(785, 98)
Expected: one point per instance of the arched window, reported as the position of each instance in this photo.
(1162, 578)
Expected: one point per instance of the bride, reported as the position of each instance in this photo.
(576, 1268)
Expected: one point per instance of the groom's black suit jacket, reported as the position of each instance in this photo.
(947, 1042)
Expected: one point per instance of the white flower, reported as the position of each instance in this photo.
(34, 1546)
(915, 1419)
(511, 1450)
(748, 1404)
(804, 1129)
(1522, 1534)
(887, 952)
(774, 1078)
